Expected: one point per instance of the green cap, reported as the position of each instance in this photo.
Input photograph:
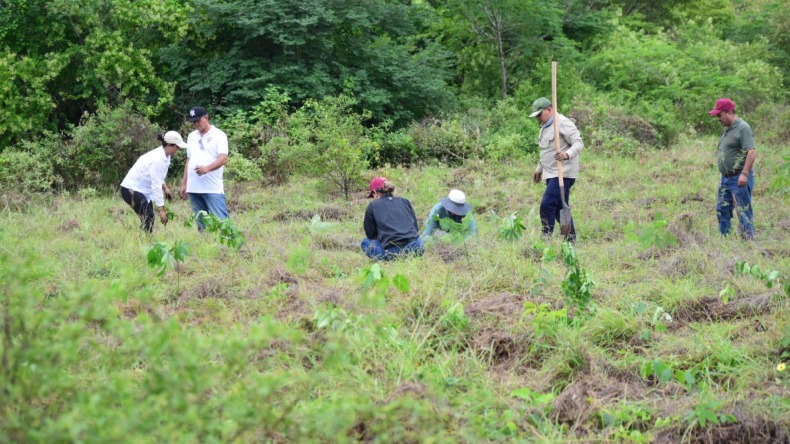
(539, 105)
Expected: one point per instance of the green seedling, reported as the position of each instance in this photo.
(577, 285)
(650, 234)
(665, 373)
(226, 230)
(165, 257)
(707, 413)
(769, 277)
(512, 227)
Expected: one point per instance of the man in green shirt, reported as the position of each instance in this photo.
(735, 160)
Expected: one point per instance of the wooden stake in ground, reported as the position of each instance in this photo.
(565, 212)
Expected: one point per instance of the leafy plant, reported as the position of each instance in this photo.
(627, 422)
(769, 277)
(665, 372)
(651, 234)
(707, 413)
(376, 284)
(512, 227)
(542, 401)
(165, 257)
(299, 258)
(577, 285)
(546, 321)
(454, 317)
(226, 230)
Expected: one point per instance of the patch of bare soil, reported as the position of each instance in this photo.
(237, 206)
(69, 225)
(578, 404)
(502, 304)
(329, 212)
(412, 389)
(682, 226)
(746, 430)
(116, 212)
(783, 224)
(713, 309)
(278, 275)
(501, 348)
(447, 252)
(696, 197)
(209, 288)
(336, 242)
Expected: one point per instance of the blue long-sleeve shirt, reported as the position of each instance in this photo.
(432, 224)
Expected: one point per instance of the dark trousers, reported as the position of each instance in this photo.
(551, 204)
(732, 197)
(142, 206)
(374, 250)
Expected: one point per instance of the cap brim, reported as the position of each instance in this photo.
(194, 119)
(182, 145)
(715, 112)
(536, 113)
(456, 208)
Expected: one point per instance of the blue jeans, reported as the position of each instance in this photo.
(372, 247)
(730, 197)
(551, 204)
(210, 203)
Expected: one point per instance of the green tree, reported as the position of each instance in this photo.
(67, 56)
(333, 141)
(312, 49)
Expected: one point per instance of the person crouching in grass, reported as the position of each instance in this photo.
(454, 207)
(145, 182)
(390, 224)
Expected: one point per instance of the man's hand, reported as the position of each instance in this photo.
(168, 194)
(202, 170)
(163, 215)
(742, 180)
(562, 156)
(536, 177)
(183, 192)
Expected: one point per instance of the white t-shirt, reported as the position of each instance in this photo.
(201, 151)
(148, 174)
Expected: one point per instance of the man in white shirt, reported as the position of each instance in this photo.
(145, 182)
(207, 154)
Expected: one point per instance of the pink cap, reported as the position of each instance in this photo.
(723, 104)
(376, 185)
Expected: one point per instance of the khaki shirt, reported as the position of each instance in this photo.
(570, 142)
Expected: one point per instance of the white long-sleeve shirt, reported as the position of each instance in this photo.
(148, 174)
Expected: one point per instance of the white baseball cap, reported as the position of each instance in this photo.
(173, 138)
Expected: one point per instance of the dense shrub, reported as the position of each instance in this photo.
(240, 169)
(610, 129)
(770, 123)
(330, 140)
(446, 141)
(107, 143)
(672, 79)
(26, 172)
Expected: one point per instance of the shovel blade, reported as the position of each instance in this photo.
(565, 220)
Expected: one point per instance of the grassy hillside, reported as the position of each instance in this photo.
(284, 341)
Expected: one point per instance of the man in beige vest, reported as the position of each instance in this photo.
(571, 146)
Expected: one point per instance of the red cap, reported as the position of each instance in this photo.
(376, 185)
(723, 104)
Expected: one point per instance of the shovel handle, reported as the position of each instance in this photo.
(556, 126)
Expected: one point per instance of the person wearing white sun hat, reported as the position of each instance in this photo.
(453, 207)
